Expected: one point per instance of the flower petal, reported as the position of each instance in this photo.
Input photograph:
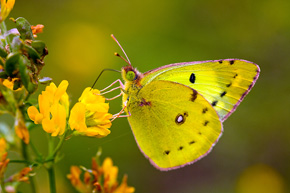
(97, 132)
(60, 90)
(34, 114)
(77, 117)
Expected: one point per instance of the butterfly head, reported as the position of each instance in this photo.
(131, 74)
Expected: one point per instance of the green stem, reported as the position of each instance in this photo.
(50, 144)
(51, 157)
(51, 177)
(32, 184)
(2, 186)
(34, 149)
(26, 157)
(20, 161)
(60, 143)
(24, 150)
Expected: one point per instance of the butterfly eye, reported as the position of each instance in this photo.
(130, 75)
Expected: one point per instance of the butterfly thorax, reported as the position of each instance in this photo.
(132, 78)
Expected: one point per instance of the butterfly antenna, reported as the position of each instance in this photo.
(116, 54)
(106, 69)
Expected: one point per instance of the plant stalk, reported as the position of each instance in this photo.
(51, 177)
(26, 157)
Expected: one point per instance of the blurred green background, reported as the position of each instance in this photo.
(253, 155)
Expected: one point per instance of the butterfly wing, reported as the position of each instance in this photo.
(224, 83)
(173, 124)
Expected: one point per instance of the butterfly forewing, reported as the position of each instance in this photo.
(173, 124)
(223, 83)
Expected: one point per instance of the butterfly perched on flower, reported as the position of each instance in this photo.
(176, 111)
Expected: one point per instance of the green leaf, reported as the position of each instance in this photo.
(25, 75)
(31, 52)
(16, 44)
(3, 53)
(39, 46)
(24, 28)
(11, 64)
(7, 102)
(3, 74)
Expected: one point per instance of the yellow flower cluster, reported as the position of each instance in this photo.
(53, 109)
(6, 7)
(99, 179)
(89, 116)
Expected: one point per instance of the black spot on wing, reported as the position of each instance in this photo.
(204, 110)
(205, 123)
(166, 152)
(193, 96)
(191, 142)
(180, 148)
(228, 85)
(192, 78)
(223, 94)
(214, 103)
(232, 62)
(235, 76)
(220, 61)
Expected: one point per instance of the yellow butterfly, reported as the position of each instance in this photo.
(176, 111)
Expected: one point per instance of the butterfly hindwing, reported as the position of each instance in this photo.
(173, 124)
(223, 83)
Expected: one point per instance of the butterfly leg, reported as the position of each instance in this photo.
(109, 99)
(118, 115)
(119, 87)
(120, 82)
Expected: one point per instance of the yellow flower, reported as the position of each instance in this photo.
(6, 7)
(22, 176)
(124, 188)
(90, 115)
(3, 158)
(99, 179)
(10, 83)
(75, 180)
(3, 165)
(3, 146)
(37, 29)
(110, 174)
(53, 109)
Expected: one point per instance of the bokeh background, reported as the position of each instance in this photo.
(252, 156)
